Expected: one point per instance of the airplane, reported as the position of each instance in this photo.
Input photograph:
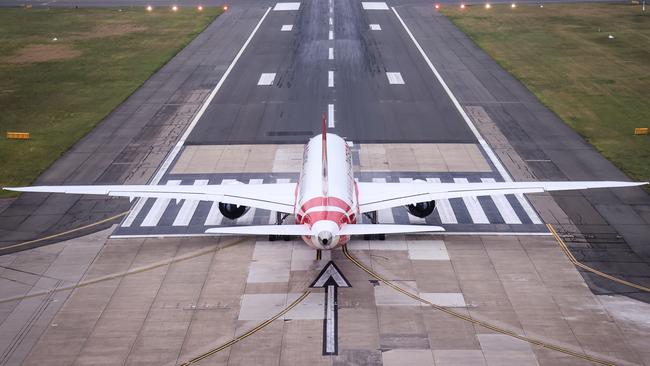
(326, 201)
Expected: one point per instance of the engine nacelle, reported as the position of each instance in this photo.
(422, 209)
(232, 211)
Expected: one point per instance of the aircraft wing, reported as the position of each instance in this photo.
(278, 197)
(379, 196)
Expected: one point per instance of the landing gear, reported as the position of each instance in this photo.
(279, 219)
(372, 216)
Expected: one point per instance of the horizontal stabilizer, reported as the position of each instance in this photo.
(262, 230)
(362, 229)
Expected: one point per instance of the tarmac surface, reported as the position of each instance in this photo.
(167, 300)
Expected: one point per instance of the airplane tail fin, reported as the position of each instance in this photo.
(324, 144)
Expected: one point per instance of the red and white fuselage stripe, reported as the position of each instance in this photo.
(326, 205)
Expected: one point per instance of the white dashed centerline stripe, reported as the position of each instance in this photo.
(331, 21)
(158, 209)
(266, 78)
(486, 147)
(330, 79)
(330, 35)
(473, 206)
(330, 54)
(128, 221)
(188, 208)
(505, 209)
(443, 206)
(330, 116)
(394, 78)
(287, 28)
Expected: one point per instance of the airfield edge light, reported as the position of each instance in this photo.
(225, 8)
(199, 8)
(437, 6)
(488, 5)
(513, 5)
(149, 8)
(174, 8)
(462, 6)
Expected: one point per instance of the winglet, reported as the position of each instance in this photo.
(324, 144)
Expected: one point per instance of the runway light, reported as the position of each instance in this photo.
(199, 8)
(541, 6)
(513, 5)
(488, 6)
(149, 8)
(225, 8)
(437, 6)
(174, 8)
(462, 6)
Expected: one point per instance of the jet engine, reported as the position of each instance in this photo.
(232, 211)
(422, 209)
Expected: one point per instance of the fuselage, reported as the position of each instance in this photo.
(326, 194)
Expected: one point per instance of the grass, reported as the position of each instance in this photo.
(58, 90)
(598, 85)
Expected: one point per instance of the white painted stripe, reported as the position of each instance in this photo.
(287, 28)
(189, 206)
(394, 78)
(529, 209)
(370, 5)
(375, 27)
(473, 206)
(486, 147)
(330, 35)
(179, 144)
(248, 217)
(266, 78)
(273, 213)
(330, 55)
(446, 213)
(158, 209)
(331, 21)
(329, 347)
(330, 79)
(214, 215)
(128, 221)
(286, 6)
(330, 116)
(441, 233)
(505, 209)
(384, 216)
(412, 219)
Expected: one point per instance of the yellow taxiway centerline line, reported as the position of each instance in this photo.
(469, 319)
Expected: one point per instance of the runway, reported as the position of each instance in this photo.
(157, 293)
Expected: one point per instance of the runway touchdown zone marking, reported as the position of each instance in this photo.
(286, 6)
(266, 79)
(287, 28)
(375, 27)
(395, 78)
(374, 5)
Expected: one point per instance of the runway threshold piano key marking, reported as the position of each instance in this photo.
(163, 216)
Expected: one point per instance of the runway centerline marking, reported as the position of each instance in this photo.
(286, 6)
(287, 28)
(266, 78)
(330, 35)
(330, 54)
(330, 79)
(395, 78)
(330, 116)
(179, 145)
(375, 27)
(486, 147)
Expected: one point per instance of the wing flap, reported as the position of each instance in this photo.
(362, 229)
(262, 230)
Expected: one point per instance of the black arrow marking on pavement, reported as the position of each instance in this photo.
(331, 279)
